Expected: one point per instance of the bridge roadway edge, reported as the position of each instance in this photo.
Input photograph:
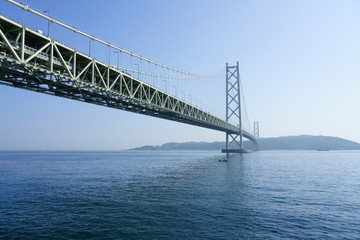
(36, 75)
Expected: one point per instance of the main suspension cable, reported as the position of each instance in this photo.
(27, 8)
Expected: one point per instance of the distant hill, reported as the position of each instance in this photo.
(302, 142)
(307, 142)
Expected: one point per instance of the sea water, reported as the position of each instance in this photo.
(180, 195)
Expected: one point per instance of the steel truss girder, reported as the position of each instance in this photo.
(32, 61)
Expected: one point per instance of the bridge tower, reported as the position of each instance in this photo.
(256, 130)
(234, 141)
(257, 135)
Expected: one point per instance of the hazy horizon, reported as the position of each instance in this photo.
(154, 145)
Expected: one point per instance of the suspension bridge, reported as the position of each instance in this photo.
(35, 61)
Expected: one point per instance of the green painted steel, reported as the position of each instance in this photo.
(33, 61)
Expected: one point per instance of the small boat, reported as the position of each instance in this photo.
(223, 160)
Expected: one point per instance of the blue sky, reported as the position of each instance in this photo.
(299, 64)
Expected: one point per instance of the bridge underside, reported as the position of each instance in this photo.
(30, 79)
(32, 61)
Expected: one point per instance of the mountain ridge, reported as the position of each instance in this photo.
(300, 142)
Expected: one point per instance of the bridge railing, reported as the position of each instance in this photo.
(36, 62)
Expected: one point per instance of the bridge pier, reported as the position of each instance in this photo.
(234, 151)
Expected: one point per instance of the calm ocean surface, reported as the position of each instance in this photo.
(180, 195)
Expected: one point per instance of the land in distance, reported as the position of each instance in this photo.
(302, 142)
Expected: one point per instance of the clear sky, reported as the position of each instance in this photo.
(299, 64)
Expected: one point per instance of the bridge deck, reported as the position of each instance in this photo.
(32, 61)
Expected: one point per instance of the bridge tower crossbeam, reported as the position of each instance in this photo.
(234, 140)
